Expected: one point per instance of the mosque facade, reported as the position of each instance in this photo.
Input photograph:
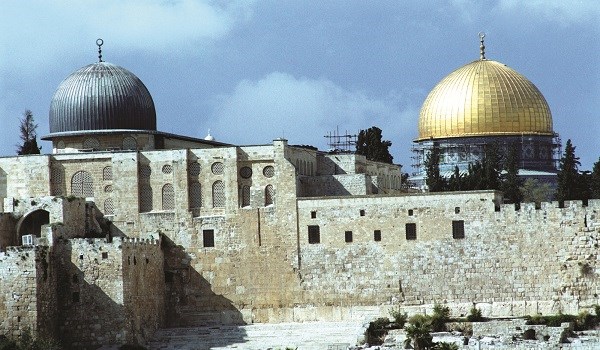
(125, 229)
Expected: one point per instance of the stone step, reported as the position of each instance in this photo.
(303, 336)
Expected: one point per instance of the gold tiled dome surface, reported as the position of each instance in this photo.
(484, 98)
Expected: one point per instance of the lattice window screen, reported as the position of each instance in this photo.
(109, 207)
(217, 168)
(269, 171)
(194, 169)
(218, 192)
(168, 197)
(269, 195)
(129, 143)
(145, 198)
(107, 174)
(195, 195)
(167, 169)
(82, 184)
(245, 196)
(91, 143)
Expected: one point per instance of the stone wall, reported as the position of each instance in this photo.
(28, 293)
(508, 263)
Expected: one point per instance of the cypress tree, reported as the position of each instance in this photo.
(568, 175)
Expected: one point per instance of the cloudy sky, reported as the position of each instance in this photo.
(254, 70)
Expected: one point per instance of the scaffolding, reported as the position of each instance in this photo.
(345, 143)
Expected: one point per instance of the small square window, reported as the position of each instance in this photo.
(313, 214)
(411, 231)
(362, 212)
(457, 210)
(314, 234)
(348, 236)
(377, 235)
(458, 229)
(410, 212)
(208, 238)
(104, 255)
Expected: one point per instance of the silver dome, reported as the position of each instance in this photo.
(101, 96)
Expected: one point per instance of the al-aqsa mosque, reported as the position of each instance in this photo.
(481, 103)
(124, 230)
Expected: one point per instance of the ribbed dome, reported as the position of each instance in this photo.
(101, 96)
(484, 98)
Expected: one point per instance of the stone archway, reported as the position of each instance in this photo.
(31, 223)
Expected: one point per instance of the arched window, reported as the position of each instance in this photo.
(218, 194)
(168, 197)
(109, 207)
(107, 173)
(129, 143)
(82, 184)
(269, 195)
(91, 143)
(145, 198)
(245, 196)
(195, 195)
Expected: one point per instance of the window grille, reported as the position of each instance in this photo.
(56, 175)
(269, 171)
(218, 192)
(129, 143)
(109, 207)
(145, 198)
(82, 184)
(194, 169)
(245, 196)
(108, 188)
(168, 197)
(167, 169)
(91, 143)
(60, 144)
(246, 172)
(269, 195)
(107, 174)
(195, 195)
(217, 168)
(145, 171)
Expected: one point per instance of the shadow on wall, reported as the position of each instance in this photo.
(190, 299)
(87, 315)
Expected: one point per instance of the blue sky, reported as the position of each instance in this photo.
(254, 70)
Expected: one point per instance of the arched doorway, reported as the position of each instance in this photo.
(31, 223)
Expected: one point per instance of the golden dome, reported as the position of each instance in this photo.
(484, 98)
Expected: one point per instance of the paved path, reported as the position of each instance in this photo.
(303, 336)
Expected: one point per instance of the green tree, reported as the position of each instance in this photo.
(535, 191)
(595, 181)
(28, 135)
(418, 332)
(456, 180)
(568, 175)
(435, 182)
(371, 145)
(492, 166)
(511, 184)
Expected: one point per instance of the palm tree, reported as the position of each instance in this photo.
(418, 332)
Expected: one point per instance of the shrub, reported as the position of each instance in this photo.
(445, 346)
(418, 332)
(441, 315)
(475, 315)
(377, 331)
(399, 317)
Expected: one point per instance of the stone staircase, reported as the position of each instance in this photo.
(301, 336)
